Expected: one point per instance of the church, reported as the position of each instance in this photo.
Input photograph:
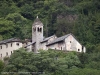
(65, 43)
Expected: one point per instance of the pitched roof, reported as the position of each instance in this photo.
(58, 39)
(30, 44)
(37, 22)
(46, 39)
(10, 40)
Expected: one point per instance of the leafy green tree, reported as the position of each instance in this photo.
(20, 24)
(7, 7)
(6, 28)
(1, 37)
(63, 27)
(1, 66)
(84, 71)
(48, 62)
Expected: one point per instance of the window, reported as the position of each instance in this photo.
(11, 44)
(1, 47)
(6, 45)
(70, 41)
(17, 44)
(82, 49)
(61, 48)
(6, 53)
(40, 29)
(34, 29)
(1, 55)
(11, 52)
(78, 49)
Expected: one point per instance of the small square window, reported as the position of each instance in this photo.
(6, 53)
(1, 47)
(17, 44)
(1, 55)
(61, 48)
(11, 52)
(6, 45)
(11, 44)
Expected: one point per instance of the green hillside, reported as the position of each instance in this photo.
(80, 17)
(51, 62)
(60, 17)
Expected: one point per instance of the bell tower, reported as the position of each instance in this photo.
(37, 33)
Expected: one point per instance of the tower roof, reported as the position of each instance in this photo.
(37, 22)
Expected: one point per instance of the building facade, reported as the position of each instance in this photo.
(8, 46)
(67, 42)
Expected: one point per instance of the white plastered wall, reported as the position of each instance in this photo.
(57, 46)
(72, 44)
(69, 44)
(29, 48)
(8, 49)
(43, 45)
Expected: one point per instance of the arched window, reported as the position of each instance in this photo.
(17, 44)
(11, 52)
(82, 49)
(61, 48)
(6, 45)
(40, 29)
(78, 49)
(6, 53)
(1, 47)
(11, 44)
(1, 55)
(34, 29)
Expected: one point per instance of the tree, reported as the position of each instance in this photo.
(6, 28)
(50, 62)
(1, 66)
(84, 71)
(20, 25)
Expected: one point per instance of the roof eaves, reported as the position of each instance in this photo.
(10, 40)
(54, 43)
(30, 44)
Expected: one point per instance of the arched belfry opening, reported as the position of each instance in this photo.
(40, 29)
(34, 29)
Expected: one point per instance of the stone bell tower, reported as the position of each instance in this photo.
(37, 34)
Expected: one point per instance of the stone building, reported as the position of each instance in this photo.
(67, 42)
(8, 46)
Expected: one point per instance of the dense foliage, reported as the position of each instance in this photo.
(52, 62)
(1, 66)
(79, 17)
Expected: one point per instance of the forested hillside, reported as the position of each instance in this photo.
(51, 62)
(80, 17)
